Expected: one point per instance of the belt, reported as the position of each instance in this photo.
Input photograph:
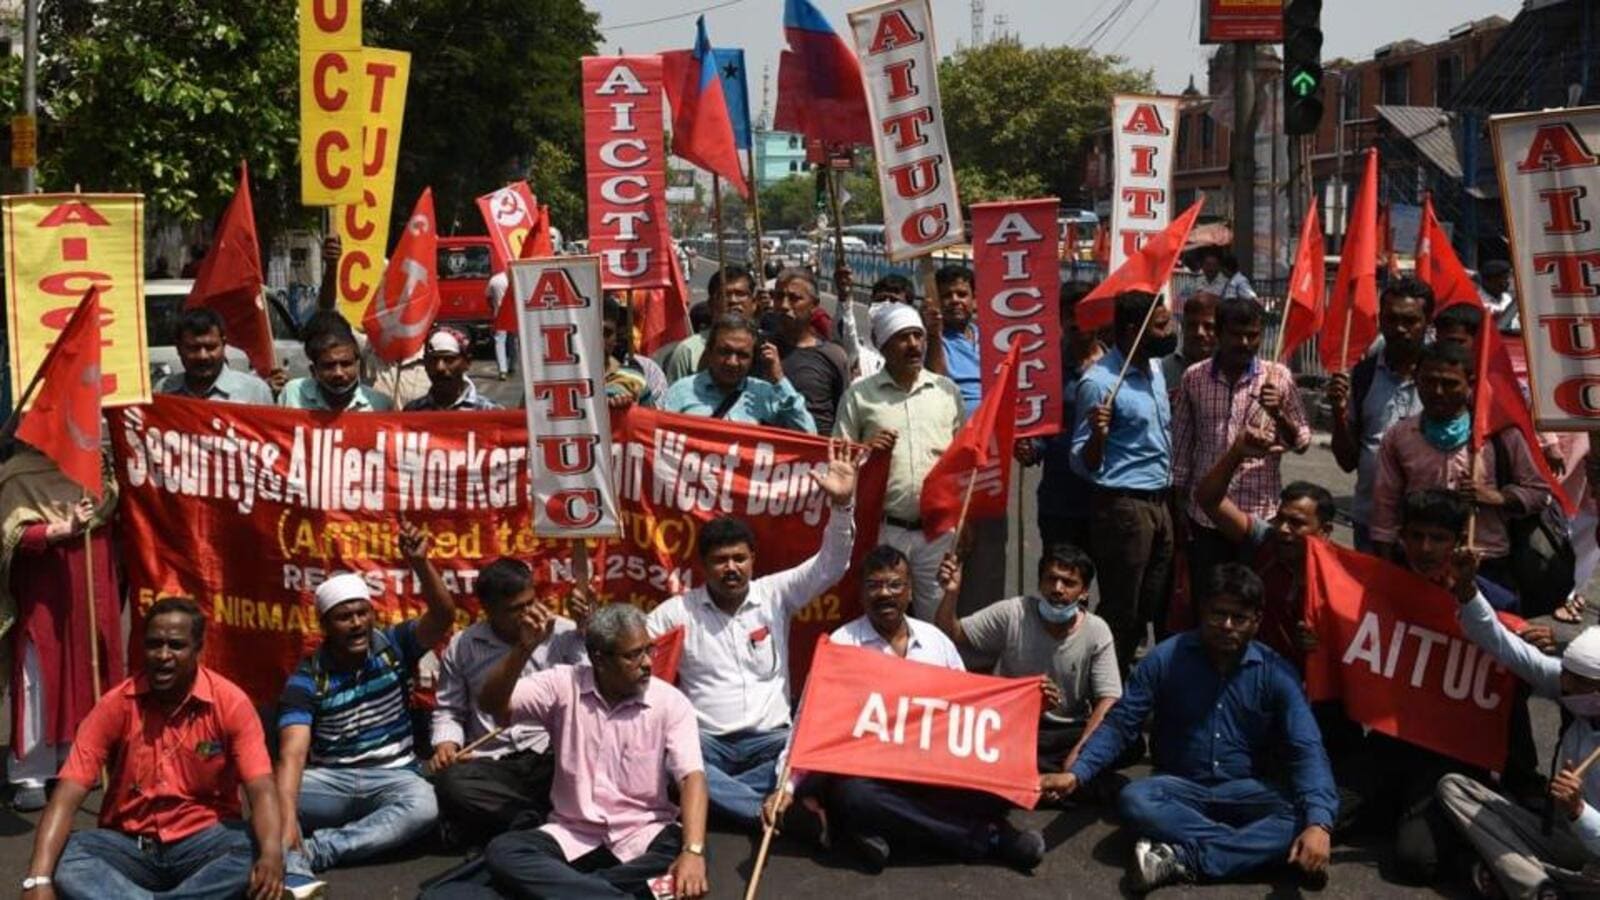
(1156, 496)
(147, 843)
(907, 524)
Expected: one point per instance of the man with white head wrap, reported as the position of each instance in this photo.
(1521, 855)
(446, 357)
(347, 772)
(911, 414)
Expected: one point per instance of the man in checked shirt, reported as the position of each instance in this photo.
(1214, 403)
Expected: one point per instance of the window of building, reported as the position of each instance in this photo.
(1396, 90)
(794, 142)
(1447, 77)
(1184, 124)
(794, 166)
(1208, 132)
(1350, 80)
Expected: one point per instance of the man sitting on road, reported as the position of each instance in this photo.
(179, 739)
(735, 662)
(202, 345)
(347, 772)
(335, 380)
(1226, 709)
(1051, 635)
(878, 816)
(727, 388)
(621, 740)
(446, 357)
(505, 782)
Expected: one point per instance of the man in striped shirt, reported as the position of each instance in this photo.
(347, 772)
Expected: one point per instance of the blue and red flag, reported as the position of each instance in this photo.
(736, 90)
(820, 91)
(702, 126)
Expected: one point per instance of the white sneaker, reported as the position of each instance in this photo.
(303, 887)
(1155, 864)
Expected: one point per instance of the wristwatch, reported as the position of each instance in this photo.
(696, 849)
(35, 881)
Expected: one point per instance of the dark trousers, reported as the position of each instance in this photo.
(1056, 740)
(1396, 796)
(942, 821)
(482, 798)
(529, 863)
(1132, 552)
(1206, 549)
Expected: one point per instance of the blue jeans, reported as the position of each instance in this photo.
(100, 862)
(352, 814)
(741, 770)
(1221, 830)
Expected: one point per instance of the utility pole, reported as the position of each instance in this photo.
(1242, 155)
(977, 24)
(30, 91)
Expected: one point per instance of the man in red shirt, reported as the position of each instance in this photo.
(181, 739)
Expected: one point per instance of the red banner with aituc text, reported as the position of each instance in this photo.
(876, 715)
(1016, 256)
(625, 156)
(1390, 648)
(246, 509)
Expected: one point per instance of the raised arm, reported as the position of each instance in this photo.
(1212, 492)
(945, 616)
(798, 586)
(440, 617)
(1346, 444)
(533, 627)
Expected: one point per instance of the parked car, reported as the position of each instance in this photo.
(464, 266)
(798, 253)
(163, 305)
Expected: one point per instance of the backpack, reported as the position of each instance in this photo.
(1543, 560)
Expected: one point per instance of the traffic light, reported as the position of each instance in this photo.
(1302, 66)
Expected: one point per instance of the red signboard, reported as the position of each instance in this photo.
(1241, 20)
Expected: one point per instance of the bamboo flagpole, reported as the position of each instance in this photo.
(94, 616)
(755, 211)
(1132, 352)
(837, 216)
(716, 213)
(767, 830)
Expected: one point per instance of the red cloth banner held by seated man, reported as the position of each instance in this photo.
(879, 716)
(1390, 648)
(1019, 280)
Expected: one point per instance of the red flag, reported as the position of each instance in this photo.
(1147, 270)
(506, 212)
(702, 127)
(980, 454)
(820, 90)
(662, 316)
(1389, 645)
(539, 244)
(1308, 287)
(1354, 307)
(1101, 252)
(1497, 401)
(64, 422)
(229, 280)
(1386, 255)
(879, 716)
(665, 653)
(398, 320)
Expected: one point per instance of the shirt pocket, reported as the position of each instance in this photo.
(640, 762)
(200, 762)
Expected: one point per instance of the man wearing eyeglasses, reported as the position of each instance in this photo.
(735, 662)
(1226, 710)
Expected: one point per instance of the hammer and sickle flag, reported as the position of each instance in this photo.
(64, 422)
(398, 320)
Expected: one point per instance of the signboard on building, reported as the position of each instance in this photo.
(1222, 21)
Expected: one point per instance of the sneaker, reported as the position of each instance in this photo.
(303, 887)
(504, 376)
(1021, 850)
(1156, 864)
(28, 798)
(872, 850)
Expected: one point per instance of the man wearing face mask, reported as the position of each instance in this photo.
(1051, 635)
(1522, 856)
(334, 384)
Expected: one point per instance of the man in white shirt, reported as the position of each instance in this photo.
(951, 822)
(735, 662)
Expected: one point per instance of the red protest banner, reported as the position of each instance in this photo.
(626, 161)
(1390, 648)
(1017, 264)
(872, 714)
(510, 214)
(247, 509)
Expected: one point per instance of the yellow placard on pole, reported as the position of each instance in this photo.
(57, 246)
(363, 227)
(332, 102)
(24, 142)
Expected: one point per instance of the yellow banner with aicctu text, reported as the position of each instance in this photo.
(58, 246)
(364, 227)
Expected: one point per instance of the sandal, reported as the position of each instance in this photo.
(1571, 612)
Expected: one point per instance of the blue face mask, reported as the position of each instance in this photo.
(1057, 615)
(1448, 434)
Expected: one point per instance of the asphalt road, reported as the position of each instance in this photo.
(1088, 853)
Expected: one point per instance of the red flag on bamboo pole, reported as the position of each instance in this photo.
(1308, 288)
(1148, 270)
(978, 460)
(229, 280)
(64, 421)
(1352, 317)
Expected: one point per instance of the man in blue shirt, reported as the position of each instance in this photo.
(1227, 709)
(957, 306)
(1064, 494)
(1124, 449)
(726, 390)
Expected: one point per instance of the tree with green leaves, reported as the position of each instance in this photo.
(1018, 118)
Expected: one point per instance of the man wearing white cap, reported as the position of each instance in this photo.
(347, 772)
(445, 359)
(1521, 855)
(912, 414)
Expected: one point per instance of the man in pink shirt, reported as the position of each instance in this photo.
(618, 735)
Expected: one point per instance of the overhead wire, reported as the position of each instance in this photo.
(670, 18)
(1135, 29)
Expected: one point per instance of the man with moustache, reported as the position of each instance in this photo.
(179, 740)
(446, 359)
(876, 815)
(729, 293)
(817, 367)
(334, 384)
(347, 774)
(1198, 326)
(202, 344)
(735, 662)
(742, 381)
(912, 414)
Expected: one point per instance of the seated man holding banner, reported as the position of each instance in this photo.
(876, 816)
(734, 666)
(505, 779)
(1226, 709)
(742, 381)
(347, 771)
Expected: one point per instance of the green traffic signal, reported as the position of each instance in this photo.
(1303, 83)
